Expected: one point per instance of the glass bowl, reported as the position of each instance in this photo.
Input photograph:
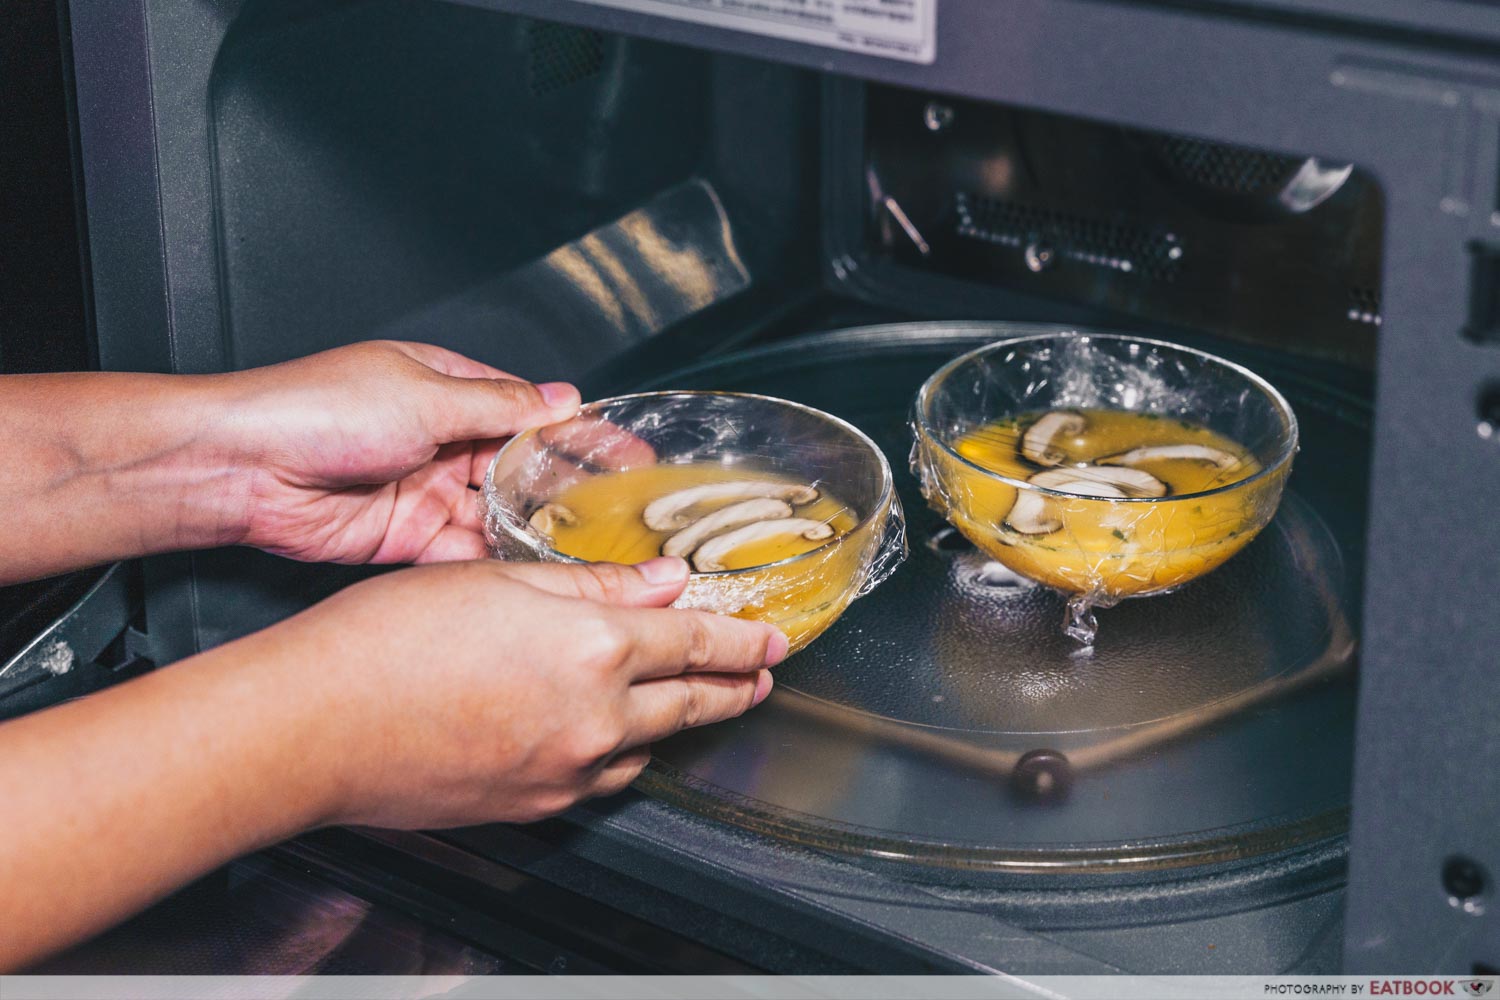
(1019, 488)
(619, 456)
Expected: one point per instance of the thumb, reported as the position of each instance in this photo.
(474, 409)
(651, 584)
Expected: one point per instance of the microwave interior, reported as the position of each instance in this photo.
(594, 199)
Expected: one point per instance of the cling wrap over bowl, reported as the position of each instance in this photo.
(1099, 549)
(756, 435)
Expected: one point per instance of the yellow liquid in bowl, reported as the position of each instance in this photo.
(802, 598)
(1101, 547)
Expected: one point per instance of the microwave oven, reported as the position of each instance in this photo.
(826, 200)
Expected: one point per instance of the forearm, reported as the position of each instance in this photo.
(113, 801)
(104, 466)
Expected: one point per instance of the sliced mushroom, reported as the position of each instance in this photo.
(548, 516)
(710, 555)
(1036, 443)
(1162, 452)
(1134, 482)
(1033, 512)
(1083, 478)
(736, 515)
(671, 512)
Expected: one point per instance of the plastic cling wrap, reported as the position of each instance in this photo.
(786, 514)
(1101, 465)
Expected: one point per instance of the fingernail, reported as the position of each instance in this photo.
(763, 684)
(663, 570)
(776, 648)
(559, 395)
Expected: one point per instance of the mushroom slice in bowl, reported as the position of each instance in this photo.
(1179, 452)
(674, 511)
(710, 555)
(1036, 443)
(1033, 512)
(736, 515)
(1131, 482)
(548, 516)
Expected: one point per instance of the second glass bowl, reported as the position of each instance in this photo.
(611, 460)
(991, 466)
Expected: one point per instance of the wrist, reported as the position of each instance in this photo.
(183, 461)
(218, 464)
(107, 465)
(285, 739)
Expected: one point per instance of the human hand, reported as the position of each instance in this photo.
(485, 691)
(367, 453)
(432, 697)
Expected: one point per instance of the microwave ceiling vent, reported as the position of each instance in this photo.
(1248, 184)
(559, 55)
(1230, 170)
(1142, 251)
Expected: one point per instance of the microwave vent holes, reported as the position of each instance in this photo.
(1244, 184)
(560, 55)
(1044, 237)
(1229, 170)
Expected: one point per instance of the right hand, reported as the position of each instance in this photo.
(483, 691)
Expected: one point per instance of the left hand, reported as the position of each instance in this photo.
(367, 453)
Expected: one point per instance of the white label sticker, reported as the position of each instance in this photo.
(895, 29)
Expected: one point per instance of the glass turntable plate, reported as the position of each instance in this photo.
(946, 721)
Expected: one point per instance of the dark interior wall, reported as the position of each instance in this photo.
(373, 158)
(43, 325)
(42, 307)
(376, 158)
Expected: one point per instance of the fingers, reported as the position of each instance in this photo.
(617, 775)
(599, 443)
(473, 409)
(453, 543)
(662, 707)
(665, 642)
(448, 362)
(557, 472)
(653, 584)
(464, 511)
(481, 454)
(654, 640)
